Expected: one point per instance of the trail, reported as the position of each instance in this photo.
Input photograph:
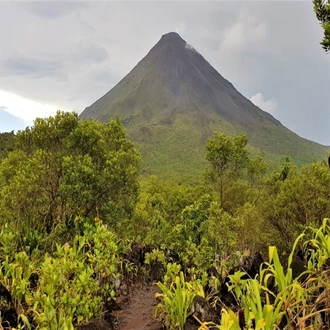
(137, 314)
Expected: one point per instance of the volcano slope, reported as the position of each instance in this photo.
(173, 100)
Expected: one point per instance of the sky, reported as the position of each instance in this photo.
(65, 55)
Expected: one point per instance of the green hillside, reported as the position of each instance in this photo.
(173, 100)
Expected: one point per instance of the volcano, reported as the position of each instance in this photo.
(173, 100)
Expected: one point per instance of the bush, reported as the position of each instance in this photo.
(71, 285)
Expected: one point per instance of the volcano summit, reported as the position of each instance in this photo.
(173, 100)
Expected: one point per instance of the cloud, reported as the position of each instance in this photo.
(25, 109)
(190, 47)
(181, 28)
(52, 9)
(32, 67)
(103, 77)
(266, 105)
(244, 34)
(258, 50)
(88, 52)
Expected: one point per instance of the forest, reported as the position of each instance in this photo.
(79, 220)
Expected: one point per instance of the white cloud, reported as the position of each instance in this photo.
(190, 47)
(244, 34)
(181, 29)
(266, 105)
(26, 109)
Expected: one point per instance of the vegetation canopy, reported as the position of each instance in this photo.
(77, 221)
(63, 167)
(322, 11)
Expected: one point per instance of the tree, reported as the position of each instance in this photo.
(227, 157)
(256, 170)
(294, 200)
(6, 144)
(322, 11)
(63, 167)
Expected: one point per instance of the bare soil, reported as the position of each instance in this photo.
(137, 312)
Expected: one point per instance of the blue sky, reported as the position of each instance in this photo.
(65, 55)
(9, 120)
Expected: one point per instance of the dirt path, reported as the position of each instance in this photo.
(138, 313)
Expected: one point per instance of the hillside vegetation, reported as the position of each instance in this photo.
(172, 102)
(78, 224)
(6, 143)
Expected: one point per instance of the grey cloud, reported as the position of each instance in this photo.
(104, 77)
(34, 68)
(87, 52)
(97, 83)
(81, 54)
(53, 9)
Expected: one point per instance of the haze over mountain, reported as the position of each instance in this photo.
(173, 100)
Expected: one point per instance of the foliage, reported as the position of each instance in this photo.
(184, 223)
(300, 199)
(261, 210)
(62, 167)
(155, 256)
(176, 298)
(277, 299)
(65, 175)
(227, 159)
(221, 229)
(256, 169)
(76, 280)
(70, 286)
(322, 11)
(6, 144)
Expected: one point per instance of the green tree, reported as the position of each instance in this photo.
(221, 230)
(322, 11)
(292, 200)
(158, 213)
(6, 144)
(256, 170)
(227, 157)
(62, 167)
